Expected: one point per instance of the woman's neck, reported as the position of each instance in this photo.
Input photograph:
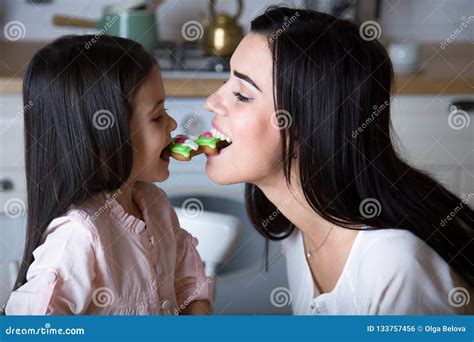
(332, 243)
(290, 201)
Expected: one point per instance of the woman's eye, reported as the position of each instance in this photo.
(241, 98)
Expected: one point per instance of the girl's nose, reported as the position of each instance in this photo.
(172, 124)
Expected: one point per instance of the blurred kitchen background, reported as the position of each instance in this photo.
(431, 46)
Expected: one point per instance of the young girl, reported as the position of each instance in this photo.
(101, 238)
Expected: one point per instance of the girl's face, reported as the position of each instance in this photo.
(150, 129)
(244, 111)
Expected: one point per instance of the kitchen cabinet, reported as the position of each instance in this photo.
(429, 138)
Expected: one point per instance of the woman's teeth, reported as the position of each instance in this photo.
(215, 133)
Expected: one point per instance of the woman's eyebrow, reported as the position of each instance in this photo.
(246, 79)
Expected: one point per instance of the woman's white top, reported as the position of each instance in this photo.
(387, 272)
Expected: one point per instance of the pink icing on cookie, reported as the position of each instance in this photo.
(207, 134)
(180, 140)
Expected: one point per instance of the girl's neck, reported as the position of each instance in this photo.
(127, 202)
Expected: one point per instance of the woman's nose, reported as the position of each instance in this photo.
(215, 104)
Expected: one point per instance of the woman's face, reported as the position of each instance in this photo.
(244, 111)
(150, 129)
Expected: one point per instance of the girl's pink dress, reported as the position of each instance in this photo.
(99, 260)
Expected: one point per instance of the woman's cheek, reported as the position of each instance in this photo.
(259, 142)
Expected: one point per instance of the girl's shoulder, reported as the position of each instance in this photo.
(74, 219)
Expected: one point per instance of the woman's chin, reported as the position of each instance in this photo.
(219, 176)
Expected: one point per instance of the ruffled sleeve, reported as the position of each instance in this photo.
(191, 282)
(60, 280)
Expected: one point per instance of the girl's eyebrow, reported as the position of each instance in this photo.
(246, 79)
(157, 104)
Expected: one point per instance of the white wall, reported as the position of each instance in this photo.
(171, 15)
(432, 20)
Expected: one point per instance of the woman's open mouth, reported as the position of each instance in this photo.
(224, 140)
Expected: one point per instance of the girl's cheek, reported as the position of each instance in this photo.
(156, 134)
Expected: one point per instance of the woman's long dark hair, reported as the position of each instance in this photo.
(77, 141)
(337, 88)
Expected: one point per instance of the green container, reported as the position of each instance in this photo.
(138, 25)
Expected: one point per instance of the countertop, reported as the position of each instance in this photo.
(444, 71)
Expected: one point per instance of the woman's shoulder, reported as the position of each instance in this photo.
(391, 240)
(395, 250)
(394, 265)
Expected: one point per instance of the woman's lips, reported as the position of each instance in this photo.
(220, 149)
(218, 133)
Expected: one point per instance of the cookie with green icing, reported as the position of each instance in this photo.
(184, 147)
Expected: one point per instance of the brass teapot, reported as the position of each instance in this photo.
(223, 34)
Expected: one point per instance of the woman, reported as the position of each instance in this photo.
(307, 107)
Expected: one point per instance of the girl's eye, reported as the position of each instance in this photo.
(241, 98)
(159, 118)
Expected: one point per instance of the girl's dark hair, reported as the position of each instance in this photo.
(334, 83)
(77, 141)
